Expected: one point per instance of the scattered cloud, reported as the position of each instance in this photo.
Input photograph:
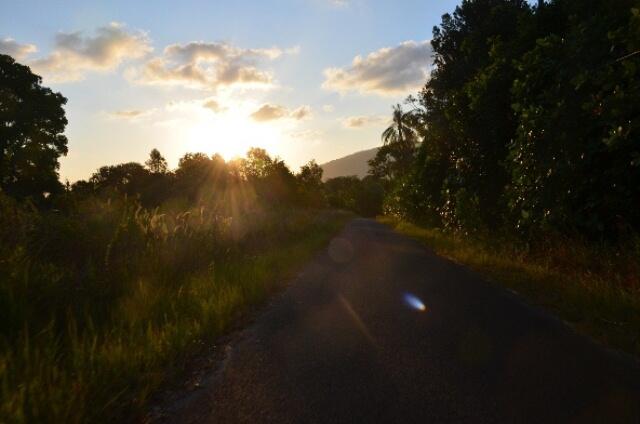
(203, 106)
(388, 71)
(302, 112)
(16, 50)
(362, 121)
(75, 54)
(130, 114)
(271, 112)
(209, 66)
(213, 106)
(328, 108)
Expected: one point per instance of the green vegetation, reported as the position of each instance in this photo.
(107, 286)
(528, 124)
(520, 155)
(362, 196)
(592, 287)
(99, 307)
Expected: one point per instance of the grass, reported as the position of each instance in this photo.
(595, 288)
(102, 306)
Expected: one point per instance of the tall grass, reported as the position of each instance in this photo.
(594, 287)
(99, 305)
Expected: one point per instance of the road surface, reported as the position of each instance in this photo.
(379, 329)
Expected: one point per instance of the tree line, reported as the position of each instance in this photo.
(32, 140)
(529, 122)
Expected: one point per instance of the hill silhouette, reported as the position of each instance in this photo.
(353, 164)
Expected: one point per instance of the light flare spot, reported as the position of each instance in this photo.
(414, 302)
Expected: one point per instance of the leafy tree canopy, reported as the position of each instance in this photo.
(529, 121)
(32, 123)
(156, 162)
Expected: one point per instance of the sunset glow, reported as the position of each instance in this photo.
(230, 134)
(213, 81)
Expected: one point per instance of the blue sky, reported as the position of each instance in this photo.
(222, 76)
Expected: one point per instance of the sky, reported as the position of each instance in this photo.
(305, 79)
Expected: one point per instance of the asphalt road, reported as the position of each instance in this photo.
(345, 344)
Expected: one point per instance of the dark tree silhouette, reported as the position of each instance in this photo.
(32, 122)
(310, 184)
(126, 178)
(311, 174)
(399, 145)
(156, 162)
(361, 196)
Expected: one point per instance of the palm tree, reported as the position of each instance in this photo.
(401, 132)
(399, 142)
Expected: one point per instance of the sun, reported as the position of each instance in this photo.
(230, 134)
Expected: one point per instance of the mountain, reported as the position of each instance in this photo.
(353, 164)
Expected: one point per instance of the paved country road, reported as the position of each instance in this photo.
(344, 344)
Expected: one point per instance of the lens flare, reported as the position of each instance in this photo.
(414, 302)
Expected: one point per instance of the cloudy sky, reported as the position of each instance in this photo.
(302, 78)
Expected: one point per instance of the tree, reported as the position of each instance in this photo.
(257, 164)
(399, 143)
(310, 184)
(311, 174)
(530, 121)
(156, 163)
(200, 177)
(575, 159)
(465, 120)
(126, 178)
(360, 196)
(270, 177)
(32, 122)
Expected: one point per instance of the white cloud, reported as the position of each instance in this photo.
(328, 108)
(362, 121)
(388, 71)
(16, 50)
(209, 66)
(75, 54)
(271, 112)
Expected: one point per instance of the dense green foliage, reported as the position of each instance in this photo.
(362, 196)
(530, 121)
